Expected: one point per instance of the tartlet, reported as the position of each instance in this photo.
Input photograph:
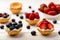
(32, 18)
(16, 7)
(13, 28)
(45, 27)
(4, 18)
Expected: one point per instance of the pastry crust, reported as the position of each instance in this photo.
(45, 32)
(13, 32)
(32, 22)
(4, 20)
(16, 7)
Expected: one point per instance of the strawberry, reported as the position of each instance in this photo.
(50, 25)
(51, 4)
(40, 9)
(42, 26)
(37, 15)
(52, 12)
(3, 14)
(53, 8)
(43, 6)
(58, 8)
(46, 10)
(32, 16)
(27, 15)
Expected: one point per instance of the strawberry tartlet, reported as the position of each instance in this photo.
(13, 28)
(52, 11)
(45, 27)
(32, 18)
(4, 18)
(16, 7)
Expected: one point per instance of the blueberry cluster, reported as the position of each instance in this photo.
(5, 15)
(14, 25)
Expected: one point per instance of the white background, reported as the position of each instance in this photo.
(25, 34)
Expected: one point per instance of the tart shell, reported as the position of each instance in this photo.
(45, 33)
(32, 22)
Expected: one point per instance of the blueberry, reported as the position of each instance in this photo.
(54, 21)
(21, 17)
(21, 24)
(33, 11)
(5, 13)
(17, 15)
(8, 25)
(59, 32)
(13, 20)
(30, 7)
(5, 16)
(14, 23)
(33, 33)
(12, 27)
(28, 27)
(2, 26)
(20, 21)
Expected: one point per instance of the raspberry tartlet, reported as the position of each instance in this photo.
(4, 18)
(52, 11)
(45, 27)
(32, 18)
(16, 7)
(13, 28)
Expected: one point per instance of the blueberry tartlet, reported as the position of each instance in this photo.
(16, 7)
(45, 27)
(4, 18)
(32, 18)
(13, 28)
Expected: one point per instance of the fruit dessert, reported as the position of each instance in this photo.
(45, 27)
(16, 7)
(51, 10)
(32, 18)
(13, 28)
(4, 18)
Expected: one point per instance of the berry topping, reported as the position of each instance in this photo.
(12, 27)
(28, 27)
(13, 20)
(0, 15)
(31, 17)
(45, 24)
(54, 21)
(21, 17)
(33, 33)
(27, 15)
(37, 15)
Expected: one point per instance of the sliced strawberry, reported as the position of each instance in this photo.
(27, 15)
(43, 5)
(32, 16)
(37, 15)
(46, 10)
(50, 25)
(58, 8)
(42, 26)
(52, 12)
(40, 9)
(51, 4)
